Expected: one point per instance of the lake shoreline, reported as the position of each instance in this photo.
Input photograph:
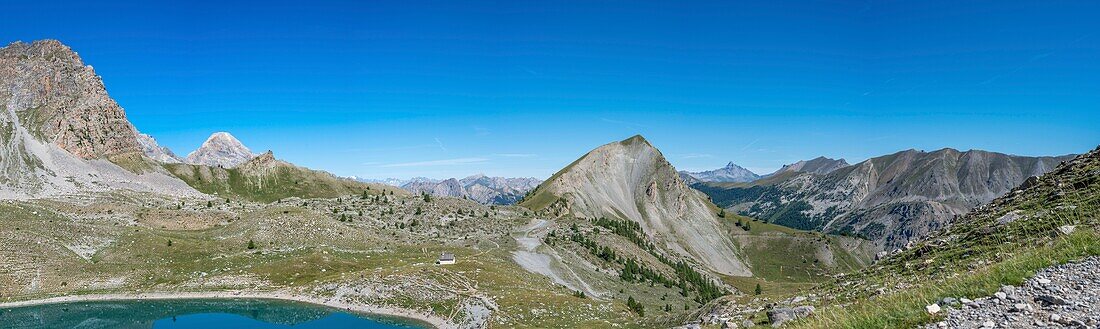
(389, 311)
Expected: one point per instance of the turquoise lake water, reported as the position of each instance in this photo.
(194, 314)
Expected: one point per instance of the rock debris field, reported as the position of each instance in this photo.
(1063, 296)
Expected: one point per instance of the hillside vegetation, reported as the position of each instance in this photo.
(266, 179)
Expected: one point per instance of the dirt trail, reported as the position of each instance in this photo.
(537, 258)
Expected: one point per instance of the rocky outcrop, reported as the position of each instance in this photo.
(781, 315)
(632, 180)
(220, 150)
(61, 101)
(61, 134)
(731, 173)
(154, 151)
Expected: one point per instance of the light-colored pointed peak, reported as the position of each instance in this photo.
(222, 136)
(154, 151)
(220, 149)
(631, 180)
(636, 139)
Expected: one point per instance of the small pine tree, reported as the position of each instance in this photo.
(635, 306)
(209, 204)
(251, 244)
(427, 197)
(758, 289)
(169, 243)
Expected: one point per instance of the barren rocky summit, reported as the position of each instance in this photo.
(221, 149)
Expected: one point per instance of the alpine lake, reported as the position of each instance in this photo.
(195, 313)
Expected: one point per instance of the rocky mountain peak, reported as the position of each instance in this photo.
(262, 164)
(62, 101)
(55, 116)
(632, 180)
(154, 151)
(220, 149)
(636, 139)
(730, 173)
(266, 156)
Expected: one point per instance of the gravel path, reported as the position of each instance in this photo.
(1064, 296)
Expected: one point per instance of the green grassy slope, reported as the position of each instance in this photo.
(273, 183)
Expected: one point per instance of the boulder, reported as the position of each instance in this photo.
(932, 308)
(778, 316)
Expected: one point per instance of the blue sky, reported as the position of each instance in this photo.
(522, 88)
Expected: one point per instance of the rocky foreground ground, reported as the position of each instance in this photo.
(1064, 296)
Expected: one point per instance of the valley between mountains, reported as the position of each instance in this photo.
(90, 206)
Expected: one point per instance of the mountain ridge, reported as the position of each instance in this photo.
(479, 187)
(891, 199)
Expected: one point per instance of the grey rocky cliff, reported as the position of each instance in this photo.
(60, 100)
(60, 133)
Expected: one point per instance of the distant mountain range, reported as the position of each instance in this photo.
(730, 173)
(733, 173)
(396, 182)
(480, 188)
(891, 199)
